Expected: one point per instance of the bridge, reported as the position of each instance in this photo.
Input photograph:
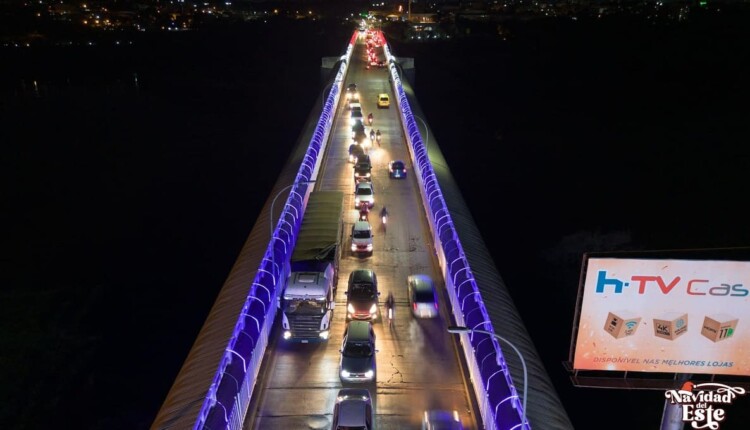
(242, 374)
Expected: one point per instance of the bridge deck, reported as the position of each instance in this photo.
(418, 363)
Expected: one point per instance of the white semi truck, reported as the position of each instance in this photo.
(310, 290)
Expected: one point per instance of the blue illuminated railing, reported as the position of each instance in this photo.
(498, 399)
(228, 397)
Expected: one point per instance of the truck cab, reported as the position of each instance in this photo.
(307, 304)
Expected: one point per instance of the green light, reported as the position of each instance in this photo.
(703, 3)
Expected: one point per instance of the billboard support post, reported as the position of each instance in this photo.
(671, 418)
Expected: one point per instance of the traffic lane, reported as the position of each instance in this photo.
(406, 386)
(417, 362)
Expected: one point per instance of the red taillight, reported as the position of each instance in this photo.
(436, 306)
(414, 305)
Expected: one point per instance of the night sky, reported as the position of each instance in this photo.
(127, 204)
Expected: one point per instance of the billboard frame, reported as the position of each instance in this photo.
(645, 380)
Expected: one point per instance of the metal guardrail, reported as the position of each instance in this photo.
(498, 399)
(228, 397)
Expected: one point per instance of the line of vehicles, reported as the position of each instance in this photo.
(308, 298)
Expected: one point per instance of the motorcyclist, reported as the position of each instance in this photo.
(369, 118)
(389, 306)
(377, 135)
(372, 134)
(364, 210)
(384, 214)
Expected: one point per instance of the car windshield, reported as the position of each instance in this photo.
(398, 165)
(362, 291)
(361, 234)
(357, 350)
(364, 191)
(351, 428)
(384, 98)
(424, 296)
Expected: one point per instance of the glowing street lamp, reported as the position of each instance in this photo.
(459, 330)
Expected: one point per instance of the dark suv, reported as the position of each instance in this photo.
(358, 353)
(363, 169)
(362, 295)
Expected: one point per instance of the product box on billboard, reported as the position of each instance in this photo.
(621, 324)
(719, 326)
(671, 325)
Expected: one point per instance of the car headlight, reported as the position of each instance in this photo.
(369, 247)
(373, 309)
(367, 175)
(356, 201)
(354, 246)
(345, 373)
(287, 334)
(350, 308)
(369, 374)
(324, 334)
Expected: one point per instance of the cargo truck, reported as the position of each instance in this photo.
(310, 290)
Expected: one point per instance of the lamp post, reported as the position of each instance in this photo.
(426, 130)
(459, 329)
(273, 202)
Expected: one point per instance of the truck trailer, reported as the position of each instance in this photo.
(309, 293)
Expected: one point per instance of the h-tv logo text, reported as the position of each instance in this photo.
(693, 287)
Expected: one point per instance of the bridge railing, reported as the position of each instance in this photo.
(227, 399)
(498, 398)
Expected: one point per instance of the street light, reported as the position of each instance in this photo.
(426, 130)
(459, 330)
(273, 202)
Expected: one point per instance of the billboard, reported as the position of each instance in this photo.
(664, 316)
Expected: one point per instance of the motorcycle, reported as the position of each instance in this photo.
(369, 119)
(377, 136)
(364, 211)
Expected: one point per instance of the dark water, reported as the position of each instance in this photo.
(128, 202)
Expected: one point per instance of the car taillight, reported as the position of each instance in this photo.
(414, 305)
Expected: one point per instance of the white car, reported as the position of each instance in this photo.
(362, 237)
(355, 105)
(364, 193)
